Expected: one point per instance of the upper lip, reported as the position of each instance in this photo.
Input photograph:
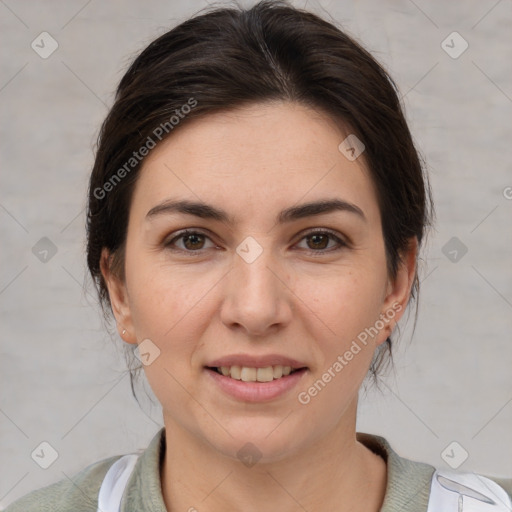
(256, 361)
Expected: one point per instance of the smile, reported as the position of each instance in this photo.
(250, 384)
(249, 374)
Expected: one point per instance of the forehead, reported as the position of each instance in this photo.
(256, 159)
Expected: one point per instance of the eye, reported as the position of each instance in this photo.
(193, 241)
(318, 241)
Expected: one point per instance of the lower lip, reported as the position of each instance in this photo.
(256, 391)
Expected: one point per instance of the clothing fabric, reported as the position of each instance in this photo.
(407, 490)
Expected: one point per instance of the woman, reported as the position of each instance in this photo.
(255, 215)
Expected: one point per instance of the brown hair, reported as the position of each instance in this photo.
(228, 57)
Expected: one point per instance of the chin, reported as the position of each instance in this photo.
(253, 441)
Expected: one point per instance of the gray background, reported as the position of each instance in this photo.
(63, 379)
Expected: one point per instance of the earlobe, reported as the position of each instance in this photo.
(118, 298)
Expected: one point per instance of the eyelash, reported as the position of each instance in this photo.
(322, 231)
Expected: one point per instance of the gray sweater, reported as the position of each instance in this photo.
(407, 489)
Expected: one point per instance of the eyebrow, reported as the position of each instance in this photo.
(207, 211)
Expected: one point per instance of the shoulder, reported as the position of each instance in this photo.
(415, 486)
(77, 494)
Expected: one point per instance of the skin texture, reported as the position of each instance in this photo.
(209, 302)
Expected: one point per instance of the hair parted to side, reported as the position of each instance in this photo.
(228, 57)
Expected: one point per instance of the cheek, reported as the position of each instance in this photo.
(344, 302)
(173, 309)
(341, 312)
(175, 325)
(163, 298)
(166, 308)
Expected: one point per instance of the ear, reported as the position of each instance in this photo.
(399, 289)
(118, 298)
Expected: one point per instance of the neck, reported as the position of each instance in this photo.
(335, 473)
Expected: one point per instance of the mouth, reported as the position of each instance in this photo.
(253, 374)
(256, 378)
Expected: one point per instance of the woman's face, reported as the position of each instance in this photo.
(253, 284)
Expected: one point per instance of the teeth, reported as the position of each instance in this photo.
(248, 374)
(265, 374)
(278, 372)
(235, 372)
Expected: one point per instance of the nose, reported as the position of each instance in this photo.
(256, 296)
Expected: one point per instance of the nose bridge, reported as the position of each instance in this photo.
(257, 297)
(252, 266)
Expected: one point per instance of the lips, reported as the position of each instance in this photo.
(247, 389)
(256, 378)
